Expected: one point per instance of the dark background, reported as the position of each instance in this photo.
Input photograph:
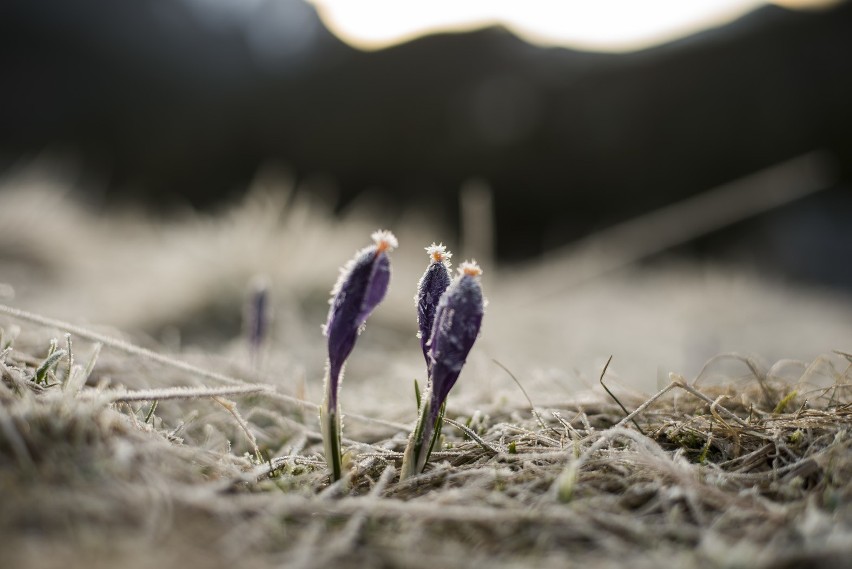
(164, 105)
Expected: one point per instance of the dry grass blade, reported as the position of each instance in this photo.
(473, 436)
(612, 395)
(231, 408)
(533, 409)
(174, 393)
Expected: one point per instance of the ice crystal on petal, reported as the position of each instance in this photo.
(470, 268)
(384, 240)
(439, 254)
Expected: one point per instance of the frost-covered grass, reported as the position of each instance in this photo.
(754, 472)
(166, 448)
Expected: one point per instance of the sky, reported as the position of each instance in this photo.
(597, 25)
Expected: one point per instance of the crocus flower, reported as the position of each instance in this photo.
(456, 327)
(431, 287)
(361, 287)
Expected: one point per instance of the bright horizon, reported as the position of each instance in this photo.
(601, 25)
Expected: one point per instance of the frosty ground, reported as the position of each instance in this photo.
(744, 461)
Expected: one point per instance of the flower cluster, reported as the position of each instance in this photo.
(457, 319)
(449, 315)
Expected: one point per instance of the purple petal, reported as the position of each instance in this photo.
(456, 327)
(362, 286)
(432, 286)
(377, 286)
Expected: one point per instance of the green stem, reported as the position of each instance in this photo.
(436, 433)
(330, 424)
(415, 456)
(52, 359)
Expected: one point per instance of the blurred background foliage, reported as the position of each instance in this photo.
(176, 103)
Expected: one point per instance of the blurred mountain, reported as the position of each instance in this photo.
(183, 101)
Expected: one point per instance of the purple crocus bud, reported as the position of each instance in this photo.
(256, 316)
(361, 287)
(431, 287)
(456, 327)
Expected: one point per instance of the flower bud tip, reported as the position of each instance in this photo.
(385, 241)
(470, 268)
(439, 254)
